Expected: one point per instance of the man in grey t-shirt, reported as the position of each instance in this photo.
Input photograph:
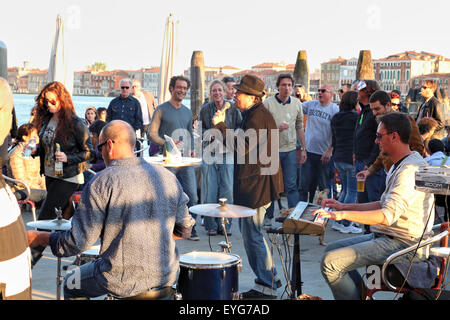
(174, 119)
(318, 141)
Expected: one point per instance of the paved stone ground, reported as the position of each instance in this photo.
(44, 273)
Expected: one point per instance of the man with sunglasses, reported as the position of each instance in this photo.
(126, 107)
(431, 108)
(398, 220)
(318, 142)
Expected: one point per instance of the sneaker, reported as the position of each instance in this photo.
(194, 236)
(337, 226)
(212, 232)
(256, 295)
(350, 229)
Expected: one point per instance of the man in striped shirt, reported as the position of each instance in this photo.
(15, 256)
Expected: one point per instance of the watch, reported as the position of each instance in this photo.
(302, 149)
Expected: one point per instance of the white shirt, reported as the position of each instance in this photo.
(144, 109)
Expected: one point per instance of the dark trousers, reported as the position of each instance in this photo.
(58, 194)
(313, 171)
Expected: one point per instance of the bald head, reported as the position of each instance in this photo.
(121, 132)
(117, 139)
(6, 106)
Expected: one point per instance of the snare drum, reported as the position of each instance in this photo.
(88, 255)
(209, 275)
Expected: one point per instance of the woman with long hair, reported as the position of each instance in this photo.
(63, 138)
(90, 116)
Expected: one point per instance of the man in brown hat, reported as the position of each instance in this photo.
(256, 183)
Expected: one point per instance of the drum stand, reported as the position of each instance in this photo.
(225, 245)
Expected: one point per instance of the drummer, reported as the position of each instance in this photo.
(255, 185)
(135, 222)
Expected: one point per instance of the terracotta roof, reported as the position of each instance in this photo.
(338, 60)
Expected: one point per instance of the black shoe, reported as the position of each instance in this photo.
(194, 236)
(256, 295)
(220, 231)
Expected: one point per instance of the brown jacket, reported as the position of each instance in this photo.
(415, 144)
(252, 187)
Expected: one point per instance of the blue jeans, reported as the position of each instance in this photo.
(374, 185)
(257, 249)
(186, 177)
(217, 182)
(79, 282)
(342, 259)
(87, 287)
(348, 182)
(289, 169)
(311, 174)
(288, 162)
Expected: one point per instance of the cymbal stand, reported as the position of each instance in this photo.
(224, 221)
(226, 246)
(59, 277)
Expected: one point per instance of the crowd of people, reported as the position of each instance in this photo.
(311, 145)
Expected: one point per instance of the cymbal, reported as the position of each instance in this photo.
(51, 225)
(222, 210)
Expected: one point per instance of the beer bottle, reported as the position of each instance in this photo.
(58, 164)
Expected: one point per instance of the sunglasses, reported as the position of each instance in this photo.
(323, 90)
(52, 102)
(395, 104)
(424, 87)
(379, 136)
(124, 88)
(100, 146)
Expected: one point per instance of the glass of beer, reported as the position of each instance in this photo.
(360, 183)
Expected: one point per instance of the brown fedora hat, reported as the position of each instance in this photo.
(251, 85)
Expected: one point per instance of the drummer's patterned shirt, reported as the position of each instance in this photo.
(134, 208)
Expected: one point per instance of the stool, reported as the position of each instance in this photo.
(149, 295)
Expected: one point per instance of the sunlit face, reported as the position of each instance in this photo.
(33, 134)
(125, 89)
(377, 108)
(325, 95)
(230, 90)
(179, 91)
(299, 92)
(384, 139)
(90, 115)
(136, 88)
(5, 117)
(217, 93)
(243, 101)
(52, 102)
(285, 87)
(102, 115)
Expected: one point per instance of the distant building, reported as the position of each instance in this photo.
(395, 71)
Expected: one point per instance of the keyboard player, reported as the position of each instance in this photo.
(397, 221)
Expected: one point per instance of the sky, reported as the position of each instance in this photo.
(128, 34)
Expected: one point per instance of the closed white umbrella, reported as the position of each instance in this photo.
(58, 69)
(169, 52)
